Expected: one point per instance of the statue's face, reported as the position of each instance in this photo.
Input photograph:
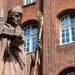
(16, 18)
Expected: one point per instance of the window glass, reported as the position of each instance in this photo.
(63, 40)
(65, 35)
(67, 28)
(34, 43)
(73, 33)
(67, 40)
(34, 30)
(64, 21)
(72, 18)
(27, 31)
(26, 44)
(26, 2)
(30, 38)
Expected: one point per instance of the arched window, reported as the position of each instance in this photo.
(71, 73)
(67, 31)
(30, 38)
(68, 71)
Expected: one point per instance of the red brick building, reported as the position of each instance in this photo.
(58, 39)
(58, 53)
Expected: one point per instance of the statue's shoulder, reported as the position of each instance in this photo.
(8, 25)
(8, 29)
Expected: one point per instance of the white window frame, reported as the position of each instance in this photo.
(27, 2)
(66, 26)
(30, 38)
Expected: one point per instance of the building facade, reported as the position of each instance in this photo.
(58, 37)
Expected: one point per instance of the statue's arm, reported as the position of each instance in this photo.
(18, 39)
(6, 31)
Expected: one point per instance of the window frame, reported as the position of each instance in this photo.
(70, 73)
(69, 26)
(30, 38)
(27, 3)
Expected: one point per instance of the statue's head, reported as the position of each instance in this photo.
(15, 15)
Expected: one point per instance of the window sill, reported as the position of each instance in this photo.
(29, 4)
(67, 45)
(30, 52)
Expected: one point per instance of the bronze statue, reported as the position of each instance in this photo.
(12, 58)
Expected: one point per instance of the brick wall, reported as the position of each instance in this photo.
(7, 4)
(30, 11)
(56, 58)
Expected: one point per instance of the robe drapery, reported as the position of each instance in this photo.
(12, 57)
